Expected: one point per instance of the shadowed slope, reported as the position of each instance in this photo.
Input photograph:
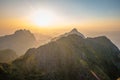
(70, 57)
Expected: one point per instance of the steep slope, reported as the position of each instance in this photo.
(7, 55)
(70, 57)
(20, 41)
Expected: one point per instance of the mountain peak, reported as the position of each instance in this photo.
(16, 40)
(75, 31)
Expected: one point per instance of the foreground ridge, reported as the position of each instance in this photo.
(71, 57)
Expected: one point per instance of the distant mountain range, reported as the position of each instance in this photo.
(70, 56)
(20, 41)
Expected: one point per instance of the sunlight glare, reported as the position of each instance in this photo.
(43, 18)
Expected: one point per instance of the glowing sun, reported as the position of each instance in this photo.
(43, 18)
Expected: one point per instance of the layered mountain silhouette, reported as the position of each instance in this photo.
(7, 55)
(20, 41)
(70, 56)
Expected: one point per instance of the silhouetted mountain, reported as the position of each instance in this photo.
(73, 31)
(7, 55)
(20, 41)
(70, 57)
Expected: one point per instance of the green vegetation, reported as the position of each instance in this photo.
(7, 55)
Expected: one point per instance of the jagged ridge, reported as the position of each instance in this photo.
(70, 58)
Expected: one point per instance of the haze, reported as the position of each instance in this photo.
(53, 17)
(59, 39)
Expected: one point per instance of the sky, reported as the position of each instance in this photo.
(86, 15)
